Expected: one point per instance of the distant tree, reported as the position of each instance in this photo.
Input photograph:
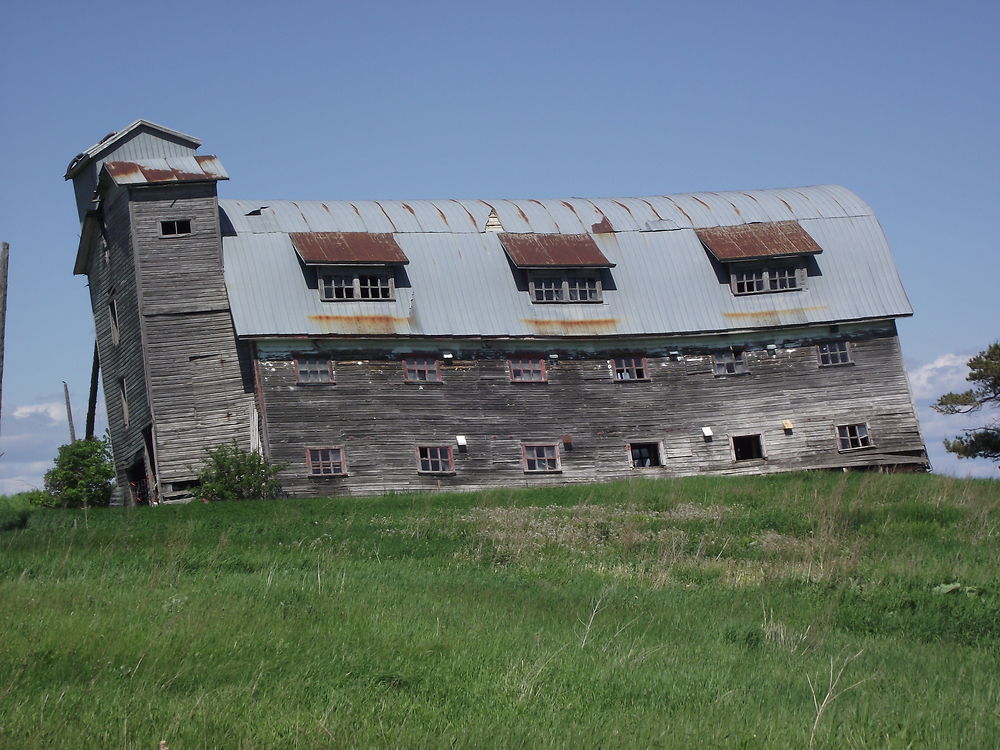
(232, 473)
(984, 373)
(82, 474)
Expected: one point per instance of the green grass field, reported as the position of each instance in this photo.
(703, 612)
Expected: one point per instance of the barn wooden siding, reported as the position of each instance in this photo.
(379, 419)
(199, 379)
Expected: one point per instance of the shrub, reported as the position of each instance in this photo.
(82, 474)
(232, 473)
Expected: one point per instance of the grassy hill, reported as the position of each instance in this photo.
(704, 612)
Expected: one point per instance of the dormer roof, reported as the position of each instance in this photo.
(109, 142)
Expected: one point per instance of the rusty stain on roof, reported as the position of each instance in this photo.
(760, 240)
(763, 314)
(169, 169)
(559, 250)
(572, 327)
(360, 324)
(337, 248)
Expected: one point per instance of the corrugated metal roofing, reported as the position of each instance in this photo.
(111, 139)
(460, 283)
(758, 240)
(559, 250)
(167, 169)
(337, 248)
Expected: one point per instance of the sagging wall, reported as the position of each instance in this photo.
(379, 419)
(200, 380)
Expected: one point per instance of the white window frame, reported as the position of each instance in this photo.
(851, 434)
(327, 278)
(562, 287)
(767, 278)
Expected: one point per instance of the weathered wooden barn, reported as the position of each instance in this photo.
(386, 345)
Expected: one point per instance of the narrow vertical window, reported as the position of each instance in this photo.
(113, 317)
(123, 398)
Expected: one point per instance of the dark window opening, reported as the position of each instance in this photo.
(356, 286)
(572, 287)
(629, 368)
(748, 447)
(175, 227)
(834, 353)
(730, 363)
(540, 458)
(645, 455)
(853, 436)
(421, 370)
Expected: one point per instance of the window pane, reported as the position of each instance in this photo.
(835, 353)
(435, 459)
(325, 461)
(421, 369)
(527, 370)
(313, 370)
(629, 368)
(374, 286)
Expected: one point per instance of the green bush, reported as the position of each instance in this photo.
(232, 473)
(82, 474)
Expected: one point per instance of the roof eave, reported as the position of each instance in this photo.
(84, 158)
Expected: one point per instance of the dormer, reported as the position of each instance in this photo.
(561, 268)
(138, 141)
(762, 257)
(351, 266)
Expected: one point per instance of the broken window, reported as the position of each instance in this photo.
(770, 278)
(326, 462)
(435, 459)
(629, 368)
(853, 436)
(541, 457)
(645, 455)
(527, 370)
(834, 353)
(421, 370)
(313, 369)
(357, 285)
(175, 227)
(569, 287)
(730, 363)
(747, 447)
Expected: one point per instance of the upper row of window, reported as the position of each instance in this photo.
(316, 369)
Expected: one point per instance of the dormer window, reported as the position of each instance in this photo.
(571, 286)
(360, 284)
(351, 266)
(762, 257)
(759, 279)
(559, 267)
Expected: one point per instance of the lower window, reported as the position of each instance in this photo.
(629, 368)
(747, 447)
(541, 457)
(645, 455)
(326, 462)
(853, 436)
(730, 363)
(435, 459)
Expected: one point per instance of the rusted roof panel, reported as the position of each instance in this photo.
(347, 248)
(762, 240)
(169, 169)
(554, 250)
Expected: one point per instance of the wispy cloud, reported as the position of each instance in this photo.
(53, 410)
(946, 373)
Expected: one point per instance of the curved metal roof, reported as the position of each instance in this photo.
(459, 281)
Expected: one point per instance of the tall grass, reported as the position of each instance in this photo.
(677, 613)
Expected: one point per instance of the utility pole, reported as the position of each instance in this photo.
(4, 252)
(69, 414)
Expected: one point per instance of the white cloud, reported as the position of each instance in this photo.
(54, 411)
(943, 375)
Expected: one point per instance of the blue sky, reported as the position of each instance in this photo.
(896, 100)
